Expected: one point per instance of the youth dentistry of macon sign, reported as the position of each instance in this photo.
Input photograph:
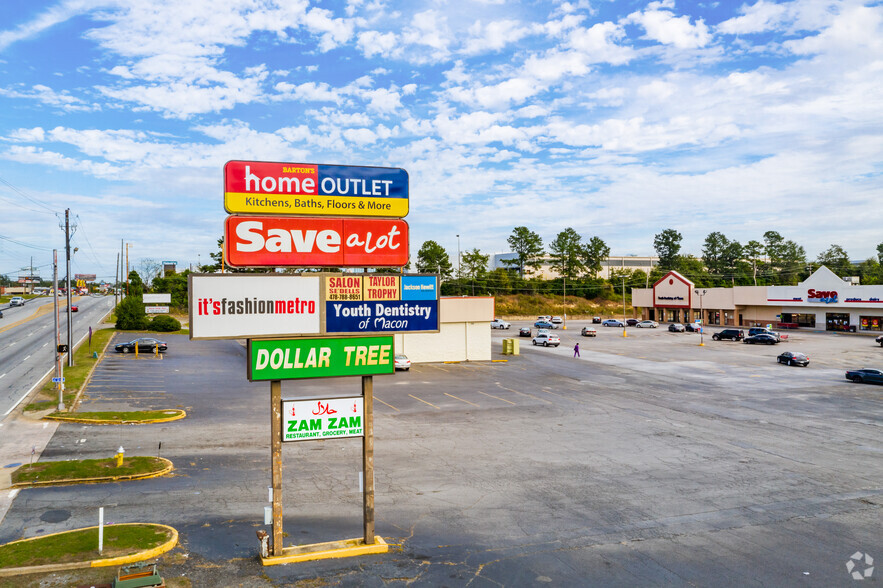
(305, 420)
(259, 241)
(259, 187)
(295, 359)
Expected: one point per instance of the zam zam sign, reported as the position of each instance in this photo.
(306, 420)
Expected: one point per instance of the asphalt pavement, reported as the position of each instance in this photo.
(648, 461)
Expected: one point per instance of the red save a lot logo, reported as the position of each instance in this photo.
(255, 241)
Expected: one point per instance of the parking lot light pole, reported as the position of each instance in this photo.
(700, 294)
(623, 307)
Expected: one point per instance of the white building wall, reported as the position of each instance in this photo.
(464, 334)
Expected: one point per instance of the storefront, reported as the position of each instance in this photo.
(822, 302)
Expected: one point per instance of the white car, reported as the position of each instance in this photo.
(499, 324)
(648, 324)
(16, 301)
(547, 340)
(556, 320)
(402, 362)
(589, 332)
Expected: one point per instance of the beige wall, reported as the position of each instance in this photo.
(642, 297)
(465, 333)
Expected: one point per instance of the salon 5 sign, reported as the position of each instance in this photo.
(261, 241)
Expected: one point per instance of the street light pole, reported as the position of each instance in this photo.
(459, 272)
(701, 293)
(623, 307)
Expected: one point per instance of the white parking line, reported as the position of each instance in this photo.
(26, 358)
(3, 376)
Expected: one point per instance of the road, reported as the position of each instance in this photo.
(27, 341)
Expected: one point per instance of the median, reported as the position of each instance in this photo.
(140, 417)
(90, 471)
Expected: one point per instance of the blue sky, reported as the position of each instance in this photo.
(619, 119)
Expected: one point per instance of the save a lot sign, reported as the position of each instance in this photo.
(294, 359)
(304, 420)
(260, 187)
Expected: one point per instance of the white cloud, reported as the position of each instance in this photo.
(374, 43)
(50, 97)
(666, 28)
(761, 16)
(493, 36)
(308, 92)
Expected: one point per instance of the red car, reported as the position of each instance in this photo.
(75, 308)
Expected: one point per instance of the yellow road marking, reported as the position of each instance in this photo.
(497, 397)
(423, 401)
(461, 400)
(386, 403)
(44, 309)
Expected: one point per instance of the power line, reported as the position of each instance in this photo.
(21, 193)
(37, 247)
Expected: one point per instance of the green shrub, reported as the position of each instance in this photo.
(130, 314)
(164, 324)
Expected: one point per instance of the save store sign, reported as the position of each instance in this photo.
(304, 420)
(293, 359)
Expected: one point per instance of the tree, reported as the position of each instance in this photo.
(880, 253)
(713, 252)
(594, 252)
(136, 286)
(567, 253)
(527, 246)
(130, 313)
(474, 263)
(150, 268)
(176, 285)
(836, 259)
(774, 245)
(432, 258)
(753, 251)
(668, 246)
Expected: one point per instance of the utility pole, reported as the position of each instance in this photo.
(623, 307)
(67, 249)
(127, 267)
(116, 281)
(59, 367)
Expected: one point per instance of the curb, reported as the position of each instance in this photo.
(97, 563)
(62, 418)
(73, 481)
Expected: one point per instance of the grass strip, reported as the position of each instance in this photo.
(48, 471)
(75, 376)
(82, 545)
(118, 416)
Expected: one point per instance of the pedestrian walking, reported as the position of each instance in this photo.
(576, 350)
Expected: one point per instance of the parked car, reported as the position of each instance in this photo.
(588, 332)
(596, 320)
(793, 358)
(730, 334)
(764, 338)
(544, 325)
(648, 324)
(677, 328)
(865, 375)
(632, 322)
(16, 301)
(145, 344)
(547, 340)
(75, 308)
(612, 323)
(499, 324)
(402, 362)
(763, 331)
(1, 314)
(879, 340)
(692, 327)
(545, 317)
(524, 332)
(556, 320)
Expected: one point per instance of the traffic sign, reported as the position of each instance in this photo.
(57, 380)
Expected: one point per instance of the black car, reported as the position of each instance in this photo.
(676, 328)
(878, 339)
(524, 332)
(692, 327)
(596, 320)
(144, 344)
(730, 334)
(764, 338)
(762, 331)
(865, 375)
(793, 358)
(631, 322)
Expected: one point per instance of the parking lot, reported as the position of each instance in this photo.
(648, 461)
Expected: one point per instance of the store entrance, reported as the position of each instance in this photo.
(835, 321)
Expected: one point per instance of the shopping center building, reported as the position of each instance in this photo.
(823, 302)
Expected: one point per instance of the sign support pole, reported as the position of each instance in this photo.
(368, 458)
(276, 462)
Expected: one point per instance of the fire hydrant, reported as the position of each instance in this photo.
(120, 455)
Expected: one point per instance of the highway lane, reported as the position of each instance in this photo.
(27, 340)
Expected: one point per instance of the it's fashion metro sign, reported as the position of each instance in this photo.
(260, 187)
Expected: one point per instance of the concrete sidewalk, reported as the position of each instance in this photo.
(22, 439)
